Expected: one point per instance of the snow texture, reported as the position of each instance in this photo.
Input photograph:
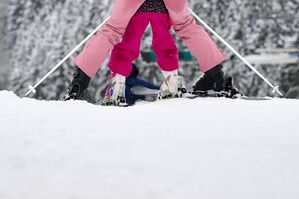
(180, 148)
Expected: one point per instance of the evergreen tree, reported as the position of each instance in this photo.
(43, 32)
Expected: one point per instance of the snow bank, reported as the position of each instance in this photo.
(180, 148)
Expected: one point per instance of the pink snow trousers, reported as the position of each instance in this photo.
(125, 52)
(194, 36)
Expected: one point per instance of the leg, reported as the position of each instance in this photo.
(122, 56)
(194, 36)
(163, 42)
(127, 51)
(97, 49)
(167, 55)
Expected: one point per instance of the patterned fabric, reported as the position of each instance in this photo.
(153, 6)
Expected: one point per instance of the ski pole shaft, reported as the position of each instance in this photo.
(32, 88)
(275, 88)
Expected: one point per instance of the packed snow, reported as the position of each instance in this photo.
(207, 148)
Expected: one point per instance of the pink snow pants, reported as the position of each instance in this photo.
(128, 50)
(194, 36)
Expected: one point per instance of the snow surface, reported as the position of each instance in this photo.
(274, 58)
(203, 148)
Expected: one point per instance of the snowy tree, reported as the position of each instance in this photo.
(42, 32)
(250, 25)
(3, 48)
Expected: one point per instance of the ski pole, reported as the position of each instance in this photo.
(32, 88)
(275, 88)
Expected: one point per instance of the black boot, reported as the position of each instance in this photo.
(213, 80)
(78, 85)
(230, 89)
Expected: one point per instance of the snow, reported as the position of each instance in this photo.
(180, 148)
(274, 58)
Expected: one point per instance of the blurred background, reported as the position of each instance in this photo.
(35, 35)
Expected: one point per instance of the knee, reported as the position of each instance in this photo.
(166, 42)
(183, 23)
(113, 32)
(167, 53)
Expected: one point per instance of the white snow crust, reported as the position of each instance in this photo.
(206, 148)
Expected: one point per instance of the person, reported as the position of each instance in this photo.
(133, 82)
(194, 37)
(155, 13)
